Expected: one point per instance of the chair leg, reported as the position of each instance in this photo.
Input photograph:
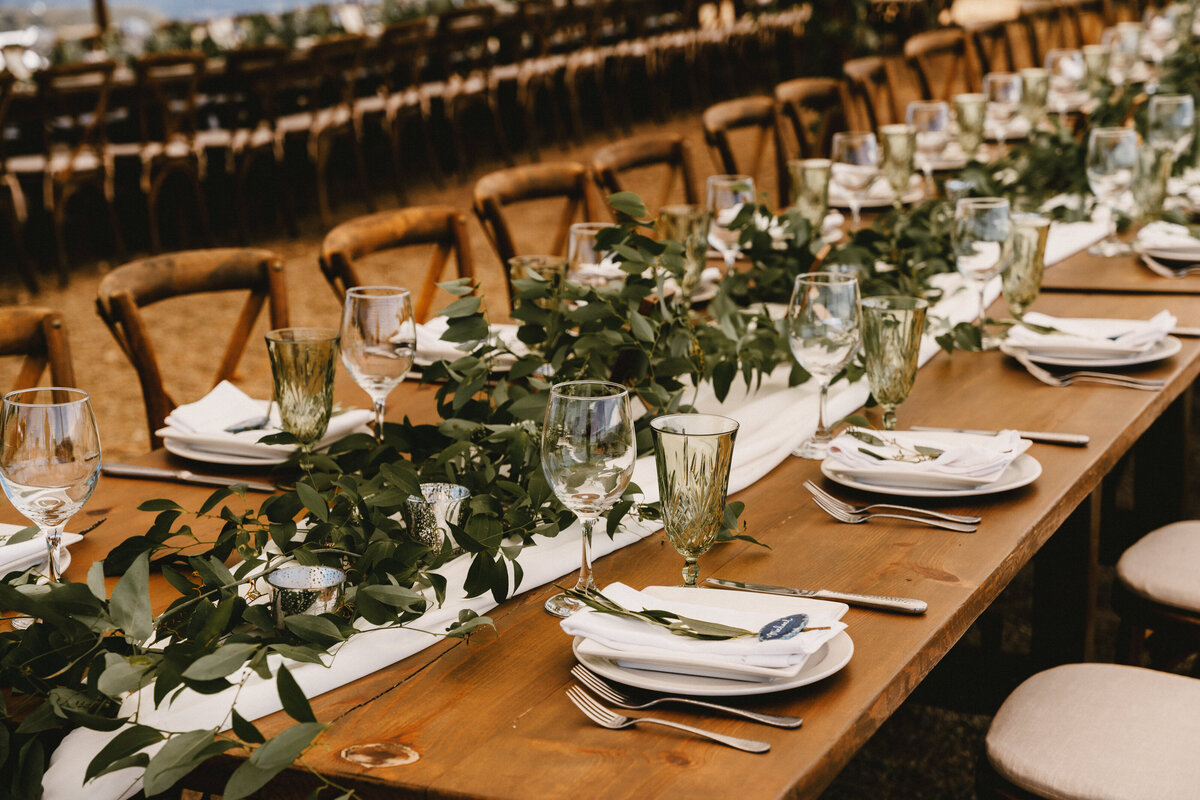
(60, 239)
(462, 160)
(114, 221)
(493, 103)
(322, 163)
(193, 176)
(360, 161)
(20, 257)
(156, 185)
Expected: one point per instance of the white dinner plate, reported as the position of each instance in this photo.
(1166, 348)
(184, 450)
(1023, 471)
(834, 655)
(1188, 255)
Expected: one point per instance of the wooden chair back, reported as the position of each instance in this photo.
(402, 50)
(1047, 28)
(462, 41)
(442, 226)
(1088, 18)
(941, 63)
(253, 77)
(654, 149)
(127, 289)
(993, 48)
(872, 92)
(335, 64)
(40, 335)
(168, 86)
(756, 113)
(496, 191)
(815, 109)
(74, 107)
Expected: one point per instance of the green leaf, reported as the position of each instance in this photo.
(313, 501)
(314, 629)
(280, 751)
(292, 696)
(462, 307)
(628, 204)
(120, 675)
(130, 603)
(123, 745)
(246, 730)
(221, 662)
(396, 596)
(95, 581)
(160, 505)
(216, 497)
(181, 754)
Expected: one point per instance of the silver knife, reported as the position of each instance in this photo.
(1046, 437)
(183, 475)
(1180, 331)
(903, 605)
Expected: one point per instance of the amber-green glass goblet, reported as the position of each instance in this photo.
(892, 330)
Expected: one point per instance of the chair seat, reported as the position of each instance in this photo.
(56, 164)
(1164, 566)
(1100, 732)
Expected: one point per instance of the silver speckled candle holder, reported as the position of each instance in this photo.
(305, 590)
(429, 517)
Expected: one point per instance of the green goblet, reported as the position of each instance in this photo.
(892, 329)
(970, 111)
(899, 144)
(810, 189)
(687, 224)
(303, 363)
(692, 453)
(1023, 279)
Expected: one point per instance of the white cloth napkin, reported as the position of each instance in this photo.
(31, 552)
(1168, 239)
(1017, 128)
(1094, 337)
(201, 425)
(880, 192)
(1068, 238)
(655, 647)
(966, 459)
(431, 347)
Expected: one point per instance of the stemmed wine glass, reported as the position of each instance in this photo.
(49, 459)
(892, 330)
(1067, 70)
(1112, 157)
(931, 119)
(1003, 90)
(1170, 121)
(823, 331)
(727, 194)
(1124, 43)
(855, 167)
(588, 451)
(982, 237)
(379, 341)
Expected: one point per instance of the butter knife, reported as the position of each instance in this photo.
(1046, 437)
(182, 475)
(902, 605)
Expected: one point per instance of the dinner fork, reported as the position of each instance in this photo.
(1125, 381)
(604, 691)
(843, 516)
(850, 509)
(607, 718)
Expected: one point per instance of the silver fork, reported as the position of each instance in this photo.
(1125, 381)
(606, 718)
(843, 516)
(850, 509)
(609, 693)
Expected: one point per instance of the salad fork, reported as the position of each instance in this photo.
(605, 691)
(1125, 381)
(843, 516)
(606, 718)
(851, 509)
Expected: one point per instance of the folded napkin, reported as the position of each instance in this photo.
(608, 269)
(880, 192)
(1095, 338)
(967, 460)
(201, 425)
(1168, 239)
(22, 555)
(431, 347)
(648, 646)
(1017, 128)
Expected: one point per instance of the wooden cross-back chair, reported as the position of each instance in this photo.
(129, 288)
(873, 93)
(562, 179)
(815, 109)
(40, 335)
(463, 53)
(993, 48)
(15, 210)
(942, 64)
(1088, 18)
(668, 150)
(1047, 28)
(402, 51)
(756, 113)
(442, 226)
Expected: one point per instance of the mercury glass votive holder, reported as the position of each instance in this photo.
(430, 515)
(305, 590)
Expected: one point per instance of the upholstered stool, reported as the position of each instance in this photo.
(1160, 576)
(1100, 732)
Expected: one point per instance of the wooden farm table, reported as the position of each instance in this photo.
(489, 718)
(1087, 273)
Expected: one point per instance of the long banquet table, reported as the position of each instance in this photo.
(489, 718)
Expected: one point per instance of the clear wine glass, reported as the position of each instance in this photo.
(727, 194)
(49, 459)
(379, 341)
(1067, 70)
(1003, 90)
(588, 451)
(982, 240)
(1170, 120)
(931, 119)
(855, 167)
(586, 262)
(1124, 42)
(824, 331)
(1112, 157)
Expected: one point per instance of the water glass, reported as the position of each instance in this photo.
(1067, 71)
(1150, 184)
(1097, 59)
(687, 224)
(430, 515)
(898, 157)
(1112, 159)
(692, 453)
(1124, 42)
(855, 167)
(1023, 279)
(1035, 86)
(378, 341)
(892, 330)
(810, 189)
(587, 263)
(1003, 91)
(727, 194)
(982, 243)
(551, 269)
(823, 331)
(931, 119)
(1170, 121)
(588, 451)
(49, 459)
(303, 363)
(970, 110)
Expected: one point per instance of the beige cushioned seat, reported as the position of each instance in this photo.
(1100, 732)
(1164, 566)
